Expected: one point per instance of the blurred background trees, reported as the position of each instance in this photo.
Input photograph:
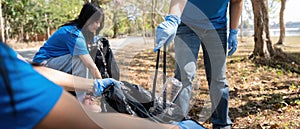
(35, 20)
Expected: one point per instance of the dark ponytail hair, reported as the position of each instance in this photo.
(89, 11)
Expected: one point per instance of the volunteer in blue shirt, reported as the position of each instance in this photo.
(202, 22)
(27, 97)
(66, 50)
(29, 100)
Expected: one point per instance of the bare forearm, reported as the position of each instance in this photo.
(89, 63)
(68, 113)
(177, 6)
(68, 81)
(236, 7)
(108, 120)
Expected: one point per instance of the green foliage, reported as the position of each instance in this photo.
(61, 11)
(28, 18)
(32, 17)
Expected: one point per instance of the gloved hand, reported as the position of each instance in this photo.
(166, 31)
(101, 84)
(189, 124)
(232, 41)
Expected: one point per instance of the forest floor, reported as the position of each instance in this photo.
(261, 97)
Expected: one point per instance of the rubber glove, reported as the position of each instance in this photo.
(166, 31)
(232, 41)
(101, 84)
(189, 124)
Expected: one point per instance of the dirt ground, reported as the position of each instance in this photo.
(261, 97)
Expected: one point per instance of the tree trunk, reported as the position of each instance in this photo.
(144, 21)
(281, 39)
(153, 17)
(267, 29)
(1, 23)
(258, 29)
(263, 45)
(115, 20)
(241, 28)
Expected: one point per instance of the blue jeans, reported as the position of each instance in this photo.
(214, 44)
(69, 64)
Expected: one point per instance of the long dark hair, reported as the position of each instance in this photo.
(90, 12)
(4, 75)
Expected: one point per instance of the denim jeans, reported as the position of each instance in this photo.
(214, 43)
(69, 64)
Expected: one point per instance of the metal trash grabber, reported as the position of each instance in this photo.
(164, 76)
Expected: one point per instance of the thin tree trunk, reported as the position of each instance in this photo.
(1, 23)
(7, 31)
(48, 28)
(21, 34)
(115, 20)
(281, 39)
(266, 28)
(258, 29)
(242, 28)
(144, 23)
(153, 18)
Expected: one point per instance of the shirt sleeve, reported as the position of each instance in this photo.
(80, 47)
(33, 95)
(77, 43)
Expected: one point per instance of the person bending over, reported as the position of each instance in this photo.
(67, 48)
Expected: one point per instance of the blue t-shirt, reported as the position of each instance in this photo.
(34, 95)
(66, 40)
(206, 14)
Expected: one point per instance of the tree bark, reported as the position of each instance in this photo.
(242, 28)
(1, 23)
(153, 17)
(144, 21)
(281, 39)
(258, 29)
(263, 45)
(115, 20)
(267, 28)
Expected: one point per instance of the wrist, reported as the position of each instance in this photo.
(97, 88)
(92, 87)
(174, 18)
(233, 31)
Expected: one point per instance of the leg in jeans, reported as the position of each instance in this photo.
(214, 50)
(187, 46)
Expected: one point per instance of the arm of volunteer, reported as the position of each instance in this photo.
(235, 13)
(88, 62)
(68, 114)
(166, 31)
(236, 7)
(177, 6)
(64, 79)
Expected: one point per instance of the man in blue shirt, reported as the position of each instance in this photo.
(202, 22)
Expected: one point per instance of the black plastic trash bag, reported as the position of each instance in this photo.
(135, 100)
(104, 58)
(129, 98)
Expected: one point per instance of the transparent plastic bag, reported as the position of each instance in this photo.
(170, 90)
